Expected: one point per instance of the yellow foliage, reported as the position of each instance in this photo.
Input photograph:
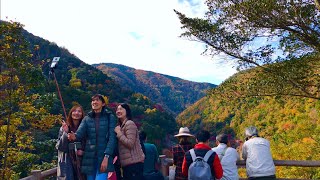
(106, 99)
(149, 111)
(308, 140)
(75, 83)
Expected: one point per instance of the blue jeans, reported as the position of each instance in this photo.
(98, 175)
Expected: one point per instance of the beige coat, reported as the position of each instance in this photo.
(130, 151)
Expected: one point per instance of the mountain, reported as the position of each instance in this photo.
(77, 81)
(291, 124)
(173, 93)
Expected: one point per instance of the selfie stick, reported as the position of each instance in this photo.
(52, 67)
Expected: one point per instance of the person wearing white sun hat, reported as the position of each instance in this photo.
(184, 131)
(184, 144)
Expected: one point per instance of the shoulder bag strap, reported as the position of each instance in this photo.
(224, 152)
(208, 154)
(182, 148)
(193, 154)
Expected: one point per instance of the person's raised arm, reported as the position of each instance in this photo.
(62, 143)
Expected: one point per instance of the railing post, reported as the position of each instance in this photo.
(36, 174)
(164, 165)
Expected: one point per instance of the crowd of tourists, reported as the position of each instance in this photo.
(221, 161)
(101, 146)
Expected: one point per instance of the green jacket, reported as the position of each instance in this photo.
(95, 149)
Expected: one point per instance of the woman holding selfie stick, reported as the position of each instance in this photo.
(68, 159)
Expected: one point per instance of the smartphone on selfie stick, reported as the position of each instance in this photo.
(53, 65)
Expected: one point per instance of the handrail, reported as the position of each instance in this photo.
(166, 162)
(241, 163)
(39, 175)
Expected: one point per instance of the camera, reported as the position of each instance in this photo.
(54, 62)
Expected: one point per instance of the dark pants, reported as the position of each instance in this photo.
(156, 175)
(273, 177)
(117, 168)
(133, 172)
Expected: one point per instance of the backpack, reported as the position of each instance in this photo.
(199, 169)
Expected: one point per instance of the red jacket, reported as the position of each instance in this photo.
(213, 161)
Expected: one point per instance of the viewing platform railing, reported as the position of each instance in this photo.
(166, 162)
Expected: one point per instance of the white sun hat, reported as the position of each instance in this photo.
(184, 131)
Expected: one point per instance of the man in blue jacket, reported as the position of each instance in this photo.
(98, 129)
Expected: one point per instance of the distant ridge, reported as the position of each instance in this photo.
(174, 94)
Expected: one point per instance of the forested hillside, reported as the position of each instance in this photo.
(274, 44)
(290, 123)
(31, 111)
(173, 93)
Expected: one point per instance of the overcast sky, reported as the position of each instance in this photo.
(142, 34)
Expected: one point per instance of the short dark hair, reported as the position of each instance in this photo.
(203, 136)
(98, 96)
(142, 136)
(222, 138)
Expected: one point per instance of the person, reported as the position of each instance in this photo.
(179, 150)
(200, 149)
(98, 127)
(130, 152)
(228, 157)
(256, 152)
(150, 171)
(68, 159)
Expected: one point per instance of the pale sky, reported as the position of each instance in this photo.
(142, 34)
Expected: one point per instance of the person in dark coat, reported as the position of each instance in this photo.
(98, 129)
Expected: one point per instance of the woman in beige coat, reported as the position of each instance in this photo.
(130, 152)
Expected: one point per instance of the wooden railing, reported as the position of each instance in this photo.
(166, 162)
(39, 175)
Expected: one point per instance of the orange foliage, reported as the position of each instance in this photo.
(288, 125)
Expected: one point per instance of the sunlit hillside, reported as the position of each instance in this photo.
(291, 124)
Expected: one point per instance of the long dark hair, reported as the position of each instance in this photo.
(184, 140)
(128, 111)
(69, 118)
